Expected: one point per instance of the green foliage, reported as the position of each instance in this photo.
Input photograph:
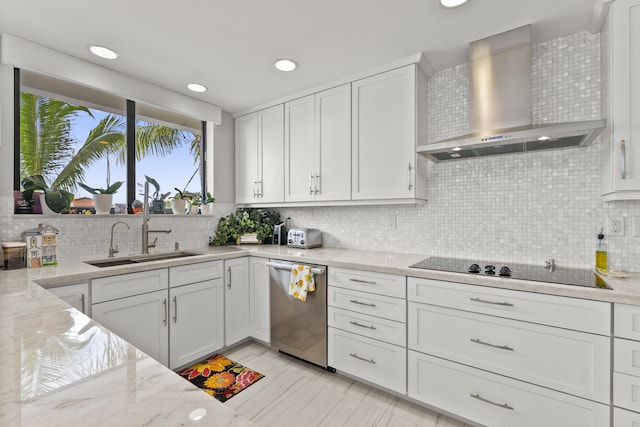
(246, 220)
(58, 200)
(112, 189)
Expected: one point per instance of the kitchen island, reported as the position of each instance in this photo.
(59, 367)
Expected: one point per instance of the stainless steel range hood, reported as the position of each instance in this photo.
(500, 106)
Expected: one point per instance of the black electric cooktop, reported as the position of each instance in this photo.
(537, 273)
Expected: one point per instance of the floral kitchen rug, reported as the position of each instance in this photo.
(220, 377)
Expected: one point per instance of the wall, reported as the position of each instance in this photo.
(517, 208)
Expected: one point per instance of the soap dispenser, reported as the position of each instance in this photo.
(601, 253)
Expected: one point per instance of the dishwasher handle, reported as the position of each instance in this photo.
(278, 266)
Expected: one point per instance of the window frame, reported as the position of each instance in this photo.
(130, 114)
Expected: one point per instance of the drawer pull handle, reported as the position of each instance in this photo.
(500, 405)
(506, 304)
(501, 347)
(362, 303)
(362, 358)
(363, 326)
(368, 282)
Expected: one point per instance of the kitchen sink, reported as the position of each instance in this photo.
(138, 259)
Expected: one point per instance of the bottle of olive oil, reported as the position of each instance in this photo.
(601, 252)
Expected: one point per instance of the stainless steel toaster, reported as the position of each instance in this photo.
(305, 238)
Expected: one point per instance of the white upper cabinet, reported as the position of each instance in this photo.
(621, 159)
(389, 119)
(318, 146)
(259, 156)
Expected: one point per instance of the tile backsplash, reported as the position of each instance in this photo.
(519, 208)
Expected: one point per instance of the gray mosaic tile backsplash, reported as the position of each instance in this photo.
(519, 208)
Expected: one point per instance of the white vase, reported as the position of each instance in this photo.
(46, 210)
(178, 206)
(204, 209)
(102, 203)
(194, 209)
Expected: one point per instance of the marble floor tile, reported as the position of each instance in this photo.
(295, 393)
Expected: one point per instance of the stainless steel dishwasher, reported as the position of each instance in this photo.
(298, 328)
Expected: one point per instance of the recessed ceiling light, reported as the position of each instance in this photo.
(103, 52)
(196, 87)
(456, 149)
(285, 64)
(543, 138)
(452, 3)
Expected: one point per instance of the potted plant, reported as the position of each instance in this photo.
(245, 220)
(206, 204)
(103, 197)
(137, 206)
(157, 198)
(181, 201)
(52, 200)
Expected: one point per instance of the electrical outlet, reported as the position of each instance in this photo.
(636, 226)
(615, 226)
(391, 222)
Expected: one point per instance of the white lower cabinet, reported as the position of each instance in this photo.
(259, 300)
(494, 400)
(174, 321)
(141, 320)
(622, 418)
(196, 322)
(237, 322)
(77, 296)
(366, 318)
(375, 361)
(509, 358)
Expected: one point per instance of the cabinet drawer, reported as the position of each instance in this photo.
(372, 304)
(375, 361)
(194, 273)
(624, 418)
(369, 326)
(368, 281)
(563, 312)
(626, 391)
(125, 285)
(626, 356)
(568, 361)
(496, 401)
(627, 321)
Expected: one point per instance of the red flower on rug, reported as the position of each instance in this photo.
(220, 377)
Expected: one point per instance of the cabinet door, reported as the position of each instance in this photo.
(196, 321)
(299, 149)
(383, 142)
(236, 300)
(142, 320)
(625, 105)
(332, 171)
(271, 155)
(259, 299)
(77, 296)
(246, 158)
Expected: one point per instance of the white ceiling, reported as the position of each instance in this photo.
(230, 46)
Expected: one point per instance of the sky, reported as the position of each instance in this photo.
(171, 171)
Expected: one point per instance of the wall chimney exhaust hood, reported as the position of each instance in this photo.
(500, 106)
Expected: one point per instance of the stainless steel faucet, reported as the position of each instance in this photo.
(115, 250)
(550, 264)
(145, 223)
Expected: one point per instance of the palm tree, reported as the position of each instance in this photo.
(47, 144)
(46, 141)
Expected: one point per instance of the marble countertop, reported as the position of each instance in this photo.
(59, 367)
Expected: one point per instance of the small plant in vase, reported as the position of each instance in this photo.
(52, 200)
(157, 198)
(206, 204)
(182, 202)
(103, 197)
(137, 206)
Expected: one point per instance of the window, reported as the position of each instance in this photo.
(76, 138)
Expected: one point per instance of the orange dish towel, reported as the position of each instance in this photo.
(302, 282)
